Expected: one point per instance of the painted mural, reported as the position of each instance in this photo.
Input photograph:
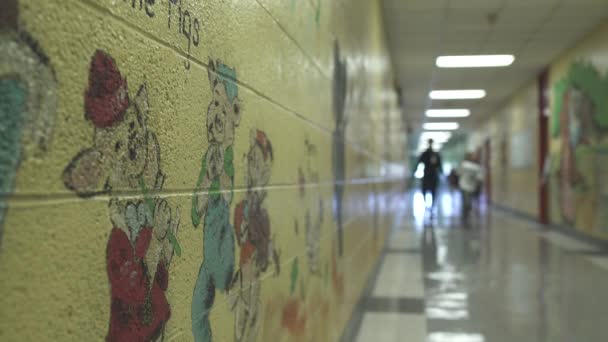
(254, 238)
(304, 312)
(286, 316)
(339, 136)
(313, 216)
(28, 100)
(580, 128)
(125, 156)
(213, 195)
(111, 141)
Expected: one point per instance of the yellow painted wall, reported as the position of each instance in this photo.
(78, 177)
(577, 191)
(579, 197)
(514, 184)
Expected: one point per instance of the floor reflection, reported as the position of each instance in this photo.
(500, 279)
(455, 337)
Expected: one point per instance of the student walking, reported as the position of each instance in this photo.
(432, 169)
(470, 177)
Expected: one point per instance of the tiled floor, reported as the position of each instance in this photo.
(502, 278)
(403, 269)
(380, 327)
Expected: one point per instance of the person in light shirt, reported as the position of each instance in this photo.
(470, 177)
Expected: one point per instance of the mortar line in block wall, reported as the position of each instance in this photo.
(294, 41)
(30, 200)
(291, 259)
(265, 276)
(97, 7)
(356, 147)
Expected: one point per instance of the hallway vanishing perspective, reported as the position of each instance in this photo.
(256, 170)
(504, 278)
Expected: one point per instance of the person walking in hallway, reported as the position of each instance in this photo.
(432, 169)
(470, 177)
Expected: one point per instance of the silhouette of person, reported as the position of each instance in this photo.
(432, 168)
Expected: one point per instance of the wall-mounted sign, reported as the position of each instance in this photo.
(522, 150)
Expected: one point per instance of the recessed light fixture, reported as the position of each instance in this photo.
(457, 94)
(474, 61)
(448, 113)
(440, 126)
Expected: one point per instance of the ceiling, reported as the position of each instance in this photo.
(535, 31)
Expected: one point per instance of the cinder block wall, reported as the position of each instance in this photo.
(190, 170)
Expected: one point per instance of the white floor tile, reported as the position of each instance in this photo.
(567, 243)
(400, 276)
(392, 327)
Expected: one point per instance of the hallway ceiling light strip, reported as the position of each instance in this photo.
(457, 94)
(474, 61)
(448, 113)
(440, 126)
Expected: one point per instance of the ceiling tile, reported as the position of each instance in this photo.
(519, 20)
(470, 19)
(536, 31)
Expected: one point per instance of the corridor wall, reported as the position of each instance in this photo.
(190, 170)
(578, 155)
(513, 136)
(579, 139)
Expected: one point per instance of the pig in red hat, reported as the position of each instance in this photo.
(106, 98)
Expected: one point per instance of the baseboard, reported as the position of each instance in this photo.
(561, 228)
(517, 213)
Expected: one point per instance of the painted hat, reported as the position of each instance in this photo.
(106, 98)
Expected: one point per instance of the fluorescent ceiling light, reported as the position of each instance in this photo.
(438, 126)
(474, 61)
(448, 113)
(457, 94)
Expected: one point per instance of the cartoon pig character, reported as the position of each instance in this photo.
(125, 156)
(252, 227)
(213, 195)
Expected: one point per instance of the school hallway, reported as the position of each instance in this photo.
(503, 278)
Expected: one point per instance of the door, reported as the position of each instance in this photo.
(487, 166)
(543, 147)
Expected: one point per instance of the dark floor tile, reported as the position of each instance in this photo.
(400, 305)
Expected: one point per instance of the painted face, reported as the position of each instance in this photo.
(222, 116)
(123, 155)
(217, 114)
(215, 160)
(125, 145)
(258, 168)
(131, 145)
(223, 113)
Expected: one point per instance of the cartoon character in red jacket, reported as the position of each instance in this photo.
(125, 156)
(252, 230)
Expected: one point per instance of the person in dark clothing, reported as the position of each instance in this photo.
(432, 169)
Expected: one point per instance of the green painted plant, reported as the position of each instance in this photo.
(587, 79)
